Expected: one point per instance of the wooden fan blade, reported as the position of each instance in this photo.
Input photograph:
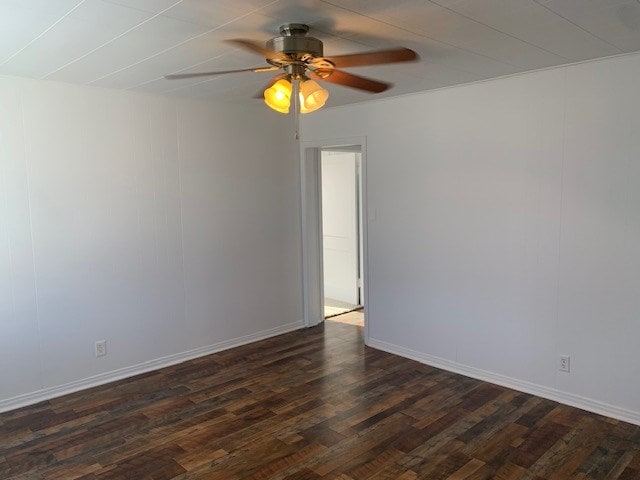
(260, 94)
(374, 58)
(178, 76)
(254, 47)
(349, 80)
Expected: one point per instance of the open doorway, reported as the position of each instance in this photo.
(312, 225)
(342, 233)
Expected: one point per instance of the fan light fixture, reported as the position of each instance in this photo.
(312, 96)
(300, 60)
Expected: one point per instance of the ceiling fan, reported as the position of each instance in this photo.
(301, 59)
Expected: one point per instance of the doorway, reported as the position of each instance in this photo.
(341, 230)
(312, 228)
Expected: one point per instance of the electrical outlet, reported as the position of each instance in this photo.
(101, 348)
(565, 363)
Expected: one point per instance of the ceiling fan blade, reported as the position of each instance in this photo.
(349, 80)
(255, 47)
(178, 76)
(260, 94)
(374, 58)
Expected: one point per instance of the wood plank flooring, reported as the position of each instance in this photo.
(312, 404)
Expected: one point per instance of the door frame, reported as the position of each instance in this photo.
(311, 227)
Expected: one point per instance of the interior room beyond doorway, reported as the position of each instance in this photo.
(341, 232)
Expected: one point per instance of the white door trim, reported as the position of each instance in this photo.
(311, 223)
(311, 235)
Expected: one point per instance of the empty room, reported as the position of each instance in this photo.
(167, 248)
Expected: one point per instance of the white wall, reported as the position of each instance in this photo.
(507, 228)
(169, 228)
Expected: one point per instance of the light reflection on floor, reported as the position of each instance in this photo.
(336, 307)
(351, 318)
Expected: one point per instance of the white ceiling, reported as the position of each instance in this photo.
(131, 44)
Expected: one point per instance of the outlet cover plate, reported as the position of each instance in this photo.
(101, 348)
(565, 363)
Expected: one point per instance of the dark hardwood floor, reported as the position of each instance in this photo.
(308, 405)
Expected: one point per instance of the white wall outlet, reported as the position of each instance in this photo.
(565, 363)
(101, 348)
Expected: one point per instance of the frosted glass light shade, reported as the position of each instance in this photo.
(278, 96)
(312, 96)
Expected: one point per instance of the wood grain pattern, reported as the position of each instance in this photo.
(312, 404)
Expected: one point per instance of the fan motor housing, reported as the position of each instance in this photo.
(294, 42)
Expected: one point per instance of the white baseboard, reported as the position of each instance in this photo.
(588, 404)
(96, 380)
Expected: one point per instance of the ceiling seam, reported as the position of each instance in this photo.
(580, 27)
(180, 44)
(42, 33)
(435, 2)
(115, 2)
(421, 35)
(110, 41)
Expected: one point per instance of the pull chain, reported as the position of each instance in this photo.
(296, 105)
